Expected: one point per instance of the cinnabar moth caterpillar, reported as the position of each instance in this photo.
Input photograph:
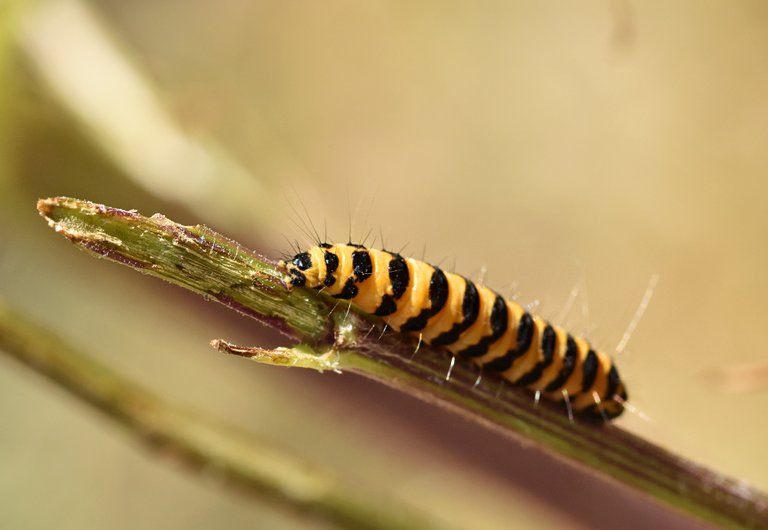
(470, 321)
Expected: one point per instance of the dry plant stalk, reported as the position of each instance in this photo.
(201, 260)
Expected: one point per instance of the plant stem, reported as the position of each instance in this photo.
(208, 263)
(238, 459)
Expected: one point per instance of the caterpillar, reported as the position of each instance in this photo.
(471, 322)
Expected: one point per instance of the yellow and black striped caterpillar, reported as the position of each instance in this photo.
(470, 321)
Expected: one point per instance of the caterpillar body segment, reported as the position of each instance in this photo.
(472, 322)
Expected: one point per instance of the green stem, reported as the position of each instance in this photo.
(237, 458)
(199, 259)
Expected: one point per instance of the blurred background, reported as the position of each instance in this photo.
(561, 146)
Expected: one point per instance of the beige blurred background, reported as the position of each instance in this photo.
(558, 145)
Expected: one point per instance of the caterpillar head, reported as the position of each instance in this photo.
(303, 269)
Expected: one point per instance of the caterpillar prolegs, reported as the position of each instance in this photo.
(469, 321)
